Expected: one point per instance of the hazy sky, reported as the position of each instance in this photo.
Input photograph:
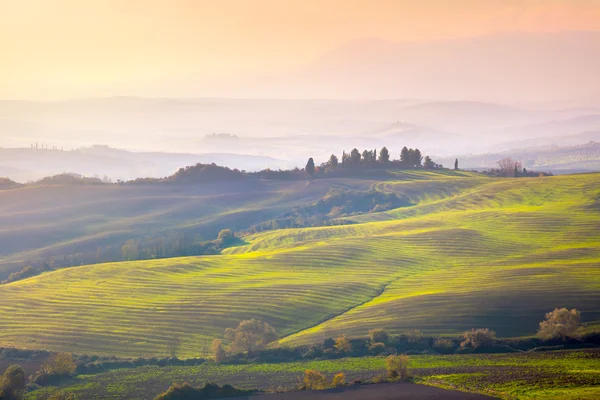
(84, 48)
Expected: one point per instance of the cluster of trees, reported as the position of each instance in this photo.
(27, 272)
(409, 158)
(336, 203)
(148, 248)
(511, 168)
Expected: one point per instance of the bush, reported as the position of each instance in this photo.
(377, 348)
(218, 351)
(342, 344)
(12, 383)
(414, 336)
(561, 324)
(397, 366)
(378, 336)
(476, 338)
(339, 380)
(314, 380)
(208, 391)
(57, 367)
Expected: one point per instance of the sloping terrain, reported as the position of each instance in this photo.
(44, 221)
(472, 252)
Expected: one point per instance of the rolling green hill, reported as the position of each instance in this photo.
(40, 222)
(472, 252)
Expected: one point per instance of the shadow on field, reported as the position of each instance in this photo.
(388, 391)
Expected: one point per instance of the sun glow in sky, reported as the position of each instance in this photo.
(74, 48)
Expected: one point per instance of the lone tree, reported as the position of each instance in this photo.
(12, 383)
(250, 335)
(428, 163)
(354, 157)
(174, 346)
(342, 344)
(416, 158)
(405, 157)
(333, 160)
(384, 155)
(310, 167)
(314, 380)
(226, 237)
(456, 164)
(397, 366)
(509, 167)
(561, 324)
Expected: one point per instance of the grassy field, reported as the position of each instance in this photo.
(472, 252)
(43, 221)
(534, 375)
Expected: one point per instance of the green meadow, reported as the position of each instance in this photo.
(527, 375)
(471, 252)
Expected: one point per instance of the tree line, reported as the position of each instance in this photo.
(408, 158)
(152, 247)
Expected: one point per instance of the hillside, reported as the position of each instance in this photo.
(471, 252)
(54, 222)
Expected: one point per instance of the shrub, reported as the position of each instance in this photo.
(208, 391)
(12, 383)
(342, 344)
(58, 366)
(218, 351)
(378, 336)
(476, 338)
(397, 366)
(377, 348)
(339, 380)
(561, 324)
(314, 380)
(414, 336)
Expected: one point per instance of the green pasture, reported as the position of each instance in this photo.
(472, 252)
(533, 375)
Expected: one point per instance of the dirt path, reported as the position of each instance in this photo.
(388, 391)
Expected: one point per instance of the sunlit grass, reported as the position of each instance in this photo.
(472, 252)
